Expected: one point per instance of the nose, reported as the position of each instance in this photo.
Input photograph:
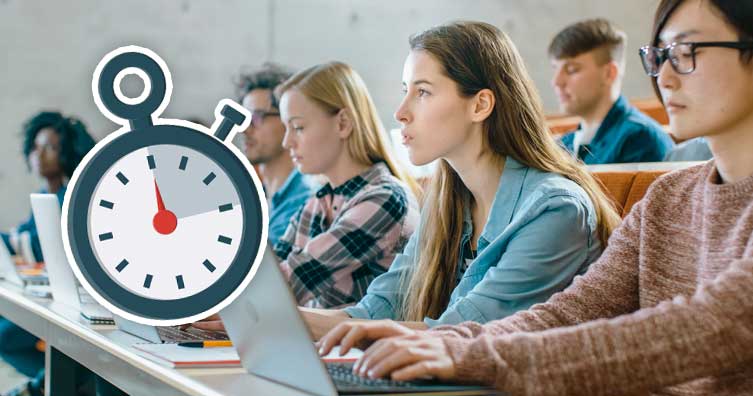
(288, 140)
(249, 132)
(667, 78)
(558, 80)
(402, 114)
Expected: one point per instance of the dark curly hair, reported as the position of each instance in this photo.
(75, 140)
(269, 76)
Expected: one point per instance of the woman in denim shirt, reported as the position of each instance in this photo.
(510, 218)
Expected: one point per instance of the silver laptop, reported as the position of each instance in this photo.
(36, 285)
(168, 334)
(274, 342)
(64, 285)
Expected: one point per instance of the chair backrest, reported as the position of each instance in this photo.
(627, 188)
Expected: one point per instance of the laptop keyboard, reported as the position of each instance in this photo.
(172, 334)
(342, 375)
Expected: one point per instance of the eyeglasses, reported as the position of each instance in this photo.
(681, 55)
(258, 116)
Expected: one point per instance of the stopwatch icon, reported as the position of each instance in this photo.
(164, 220)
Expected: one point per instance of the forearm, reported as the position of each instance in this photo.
(672, 343)
(320, 321)
(414, 325)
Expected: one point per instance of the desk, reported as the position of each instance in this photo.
(107, 352)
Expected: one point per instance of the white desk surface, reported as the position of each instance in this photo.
(108, 352)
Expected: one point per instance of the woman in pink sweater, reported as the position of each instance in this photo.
(668, 308)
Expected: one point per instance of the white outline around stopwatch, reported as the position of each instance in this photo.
(156, 120)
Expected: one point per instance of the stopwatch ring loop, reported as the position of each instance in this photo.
(136, 113)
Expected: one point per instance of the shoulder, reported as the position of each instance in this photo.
(679, 183)
(638, 125)
(386, 194)
(544, 191)
(386, 186)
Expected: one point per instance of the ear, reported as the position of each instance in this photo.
(482, 105)
(344, 123)
(613, 71)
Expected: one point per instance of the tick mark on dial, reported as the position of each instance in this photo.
(148, 281)
(122, 178)
(209, 265)
(122, 265)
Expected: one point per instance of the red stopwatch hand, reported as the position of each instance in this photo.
(164, 221)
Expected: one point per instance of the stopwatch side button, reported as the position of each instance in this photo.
(232, 117)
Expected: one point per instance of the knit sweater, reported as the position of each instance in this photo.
(667, 308)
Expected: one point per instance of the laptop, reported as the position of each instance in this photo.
(36, 285)
(64, 285)
(167, 334)
(274, 342)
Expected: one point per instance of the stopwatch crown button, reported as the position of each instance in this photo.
(233, 115)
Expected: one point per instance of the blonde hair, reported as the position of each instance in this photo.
(335, 86)
(479, 56)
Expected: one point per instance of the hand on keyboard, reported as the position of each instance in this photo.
(404, 358)
(359, 334)
(211, 323)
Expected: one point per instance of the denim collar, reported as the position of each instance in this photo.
(505, 201)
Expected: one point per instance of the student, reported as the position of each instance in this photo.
(349, 232)
(667, 308)
(53, 146)
(285, 187)
(509, 219)
(588, 58)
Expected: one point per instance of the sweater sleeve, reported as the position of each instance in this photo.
(609, 288)
(686, 338)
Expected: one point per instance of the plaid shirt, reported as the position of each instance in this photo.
(346, 236)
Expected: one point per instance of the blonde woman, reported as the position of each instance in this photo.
(509, 219)
(350, 230)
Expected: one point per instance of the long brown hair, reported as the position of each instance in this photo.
(335, 86)
(479, 56)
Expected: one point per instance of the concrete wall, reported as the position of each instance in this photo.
(49, 50)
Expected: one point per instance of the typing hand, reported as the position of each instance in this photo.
(212, 323)
(404, 358)
(359, 334)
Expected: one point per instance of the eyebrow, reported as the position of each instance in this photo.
(680, 36)
(417, 82)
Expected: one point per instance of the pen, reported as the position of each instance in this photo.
(206, 344)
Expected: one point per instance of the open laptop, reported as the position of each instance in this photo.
(35, 285)
(64, 285)
(274, 342)
(167, 334)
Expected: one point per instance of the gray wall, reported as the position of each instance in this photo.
(50, 49)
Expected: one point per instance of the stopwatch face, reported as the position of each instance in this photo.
(163, 219)
(165, 222)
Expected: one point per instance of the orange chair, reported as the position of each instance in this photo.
(627, 188)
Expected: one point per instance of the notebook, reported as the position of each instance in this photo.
(172, 355)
